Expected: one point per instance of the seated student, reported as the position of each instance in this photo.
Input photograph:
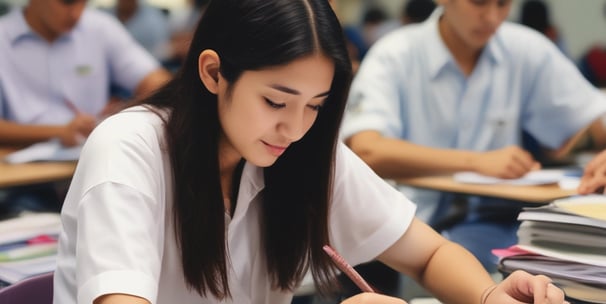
(454, 94)
(415, 11)
(58, 61)
(182, 23)
(147, 24)
(223, 186)
(535, 14)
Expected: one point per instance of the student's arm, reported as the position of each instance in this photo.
(152, 82)
(395, 158)
(592, 137)
(70, 134)
(120, 299)
(453, 275)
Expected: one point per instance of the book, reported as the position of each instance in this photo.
(587, 210)
(565, 240)
(28, 245)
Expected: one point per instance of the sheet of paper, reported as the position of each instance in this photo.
(51, 150)
(539, 177)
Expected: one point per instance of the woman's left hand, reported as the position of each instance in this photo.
(522, 287)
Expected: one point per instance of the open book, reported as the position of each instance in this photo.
(51, 150)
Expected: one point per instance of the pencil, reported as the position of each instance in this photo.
(347, 269)
(71, 106)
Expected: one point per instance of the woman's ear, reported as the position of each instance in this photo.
(208, 69)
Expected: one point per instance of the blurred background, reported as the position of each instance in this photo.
(582, 23)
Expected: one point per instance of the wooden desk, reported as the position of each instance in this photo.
(531, 194)
(33, 173)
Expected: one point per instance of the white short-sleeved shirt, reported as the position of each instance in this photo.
(37, 78)
(410, 87)
(118, 236)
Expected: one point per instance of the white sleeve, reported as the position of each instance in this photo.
(367, 214)
(119, 203)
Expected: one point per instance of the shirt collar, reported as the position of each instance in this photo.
(18, 28)
(440, 57)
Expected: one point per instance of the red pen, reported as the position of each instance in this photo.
(347, 269)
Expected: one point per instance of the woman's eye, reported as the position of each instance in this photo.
(273, 104)
(316, 107)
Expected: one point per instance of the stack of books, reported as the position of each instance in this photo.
(28, 246)
(565, 240)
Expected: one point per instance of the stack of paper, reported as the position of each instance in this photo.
(28, 245)
(565, 240)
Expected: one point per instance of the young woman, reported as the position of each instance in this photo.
(224, 186)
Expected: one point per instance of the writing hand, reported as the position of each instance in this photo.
(508, 162)
(522, 287)
(77, 129)
(372, 298)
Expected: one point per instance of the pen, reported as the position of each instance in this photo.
(71, 106)
(347, 269)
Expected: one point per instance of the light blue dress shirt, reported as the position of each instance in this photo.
(410, 87)
(150, 28)
(38, 79)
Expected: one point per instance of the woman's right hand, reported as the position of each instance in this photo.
(372, 298)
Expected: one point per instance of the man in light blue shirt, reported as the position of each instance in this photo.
(455, 94)
(58, 62)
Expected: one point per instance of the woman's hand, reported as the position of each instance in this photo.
(522, 287)
(372, 298)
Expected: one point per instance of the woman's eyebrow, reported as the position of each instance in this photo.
(293, 91)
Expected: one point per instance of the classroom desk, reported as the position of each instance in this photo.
(33, 173)
(530, 194)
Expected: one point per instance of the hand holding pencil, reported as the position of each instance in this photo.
(369, 295)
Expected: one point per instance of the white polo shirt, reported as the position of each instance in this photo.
(118, 235)
(37, 78)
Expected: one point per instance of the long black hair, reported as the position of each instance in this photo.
(253, 35)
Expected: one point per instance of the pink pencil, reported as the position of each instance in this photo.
(71, 106)
(347, 269)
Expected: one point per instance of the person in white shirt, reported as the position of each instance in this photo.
(224, 185)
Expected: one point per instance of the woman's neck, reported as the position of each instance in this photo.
(229, 159)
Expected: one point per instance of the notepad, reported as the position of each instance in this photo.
(51, 150)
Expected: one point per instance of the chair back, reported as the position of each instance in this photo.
(33, 290)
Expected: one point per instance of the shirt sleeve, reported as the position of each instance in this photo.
(367, 214)
(375, 102)
(559, 97)
(129, 62)
(3, 104)
(120, 213)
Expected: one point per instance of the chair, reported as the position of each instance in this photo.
(33, 290)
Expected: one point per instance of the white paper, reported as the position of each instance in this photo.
(539, 177)
(51, 150)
